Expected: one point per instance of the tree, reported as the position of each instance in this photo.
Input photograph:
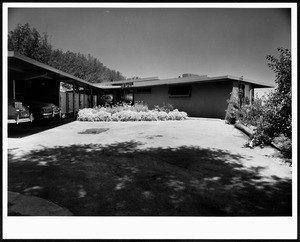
(271, 115)
(282, 67)
(275, 123)
(281, 99)
(31, 43)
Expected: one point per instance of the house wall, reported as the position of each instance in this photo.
(206, 100)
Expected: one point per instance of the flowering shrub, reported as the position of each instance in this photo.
(125, 112)
(90, 114)
(178, 115)
(139, 107)
(162, 116)
(165, 108)
(119, 107)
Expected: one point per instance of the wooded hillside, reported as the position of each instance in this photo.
(28, 41)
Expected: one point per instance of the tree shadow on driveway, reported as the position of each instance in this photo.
(123, 179)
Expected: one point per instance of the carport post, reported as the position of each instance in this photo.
(59, 101)
(74, 99)
(79, 97)
(92, 98)
(14, 89)
(83, 97)
(115, 97)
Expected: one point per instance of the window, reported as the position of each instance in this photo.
(180, 91)
(143, 90)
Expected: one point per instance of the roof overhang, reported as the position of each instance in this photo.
(255, 84)
(24, 68)
(197, 79)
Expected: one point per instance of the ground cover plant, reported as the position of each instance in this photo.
(127, 112)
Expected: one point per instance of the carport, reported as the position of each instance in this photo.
(28, 78)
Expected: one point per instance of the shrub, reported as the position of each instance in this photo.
(251, 114)
(115, 117)
(149, 116)
(272, 114)
(165, 108)
(90, 114)
(231, 112)
(284, 144)
(139, 107)
(162, 116)
(119, 107)
(125, 113)
(176, 115)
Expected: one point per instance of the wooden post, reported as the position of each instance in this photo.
(115, 97)
(83, 97)
(132, 89)
(92, 98)
(14, 89)
(74, 99)
(59, 100)
(79, 98)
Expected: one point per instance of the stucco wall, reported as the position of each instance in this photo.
(206, 100)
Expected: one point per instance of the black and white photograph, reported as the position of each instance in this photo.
(149, 121)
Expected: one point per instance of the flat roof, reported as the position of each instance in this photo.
(27, 68)
(185, 80)
(135, 80)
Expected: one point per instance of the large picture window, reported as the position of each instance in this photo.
(180, 91)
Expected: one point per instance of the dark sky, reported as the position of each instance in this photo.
(167, 42)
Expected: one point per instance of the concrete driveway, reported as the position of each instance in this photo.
(192, 167)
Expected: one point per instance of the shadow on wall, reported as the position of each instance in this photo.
(121, 179)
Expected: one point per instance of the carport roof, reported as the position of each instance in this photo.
(26, 68)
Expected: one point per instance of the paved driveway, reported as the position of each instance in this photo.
(191, 167)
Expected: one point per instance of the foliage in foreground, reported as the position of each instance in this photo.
(127, 112)
(271, 115)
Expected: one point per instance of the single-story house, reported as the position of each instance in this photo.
(199, 96)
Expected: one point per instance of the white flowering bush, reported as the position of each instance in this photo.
(177, 115)
(119, 107)
(150, 116)
(126, 112)
(115, 117)
(162, 116)
(90, 114)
